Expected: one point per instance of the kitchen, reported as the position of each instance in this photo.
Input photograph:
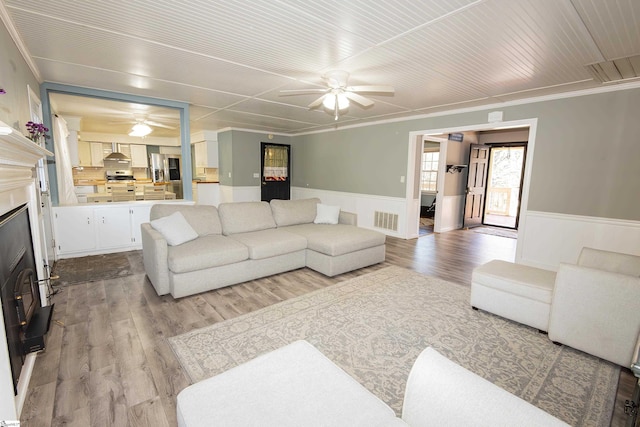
(118, 173)
(133, 150)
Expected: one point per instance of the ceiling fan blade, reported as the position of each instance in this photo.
(121, 122)
(158, 125)
(359, 99)
(316, 103)
(301, 91)
(371, 89)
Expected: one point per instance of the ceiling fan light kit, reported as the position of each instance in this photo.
(140, 129)
(337, 95)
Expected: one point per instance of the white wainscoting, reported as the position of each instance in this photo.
(239, 194)
(364, 205)
(449, 216)
(547, 239)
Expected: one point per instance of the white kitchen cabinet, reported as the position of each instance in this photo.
(97, 154)
(139, 156)
(98, 229)
(170, 150)
(113, 226)
(139, 215)
(206, 153)
(84, 153)
(74, 229)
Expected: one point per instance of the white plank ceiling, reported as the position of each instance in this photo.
(230, 59)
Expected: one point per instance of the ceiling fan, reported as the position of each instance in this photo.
(337, 95)
(141, 126)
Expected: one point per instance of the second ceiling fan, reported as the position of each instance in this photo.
(337, 95)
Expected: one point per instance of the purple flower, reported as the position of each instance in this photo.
(37, 131)
(2, 91)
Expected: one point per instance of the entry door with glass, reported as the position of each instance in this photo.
(276, 172)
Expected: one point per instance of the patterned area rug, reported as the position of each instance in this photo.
(91, 268)
(374, 326)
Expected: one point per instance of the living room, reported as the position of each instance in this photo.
(583, 182)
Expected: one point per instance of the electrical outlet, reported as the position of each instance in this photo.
(402, 179)
(229, 174)
(256, 175)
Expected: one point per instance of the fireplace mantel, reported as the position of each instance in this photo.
(18, 159)
(18, 156)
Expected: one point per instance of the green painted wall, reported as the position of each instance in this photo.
(585, 161)
(367, 160)
(241, 150)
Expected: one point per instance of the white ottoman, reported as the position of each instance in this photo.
(514, 291)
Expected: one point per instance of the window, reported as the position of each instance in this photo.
(429, 170)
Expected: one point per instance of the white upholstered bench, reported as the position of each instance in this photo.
(514, 291)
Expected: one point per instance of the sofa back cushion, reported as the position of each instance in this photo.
(202, 218)
(294, 212)
(613, 262)
(243, 217)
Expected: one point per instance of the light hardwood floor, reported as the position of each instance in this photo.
(108, 363)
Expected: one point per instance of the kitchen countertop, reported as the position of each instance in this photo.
(78, 182)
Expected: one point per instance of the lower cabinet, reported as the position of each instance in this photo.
(87, 230)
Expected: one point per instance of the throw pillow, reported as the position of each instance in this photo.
(175, 229)
(327, 214)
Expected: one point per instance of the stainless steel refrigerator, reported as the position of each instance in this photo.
(167, 168)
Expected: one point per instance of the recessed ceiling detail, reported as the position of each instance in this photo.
(617, 70)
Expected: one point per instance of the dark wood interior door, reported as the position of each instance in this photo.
(276, 171)
(476, 185)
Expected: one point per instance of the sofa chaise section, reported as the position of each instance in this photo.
(332, 249)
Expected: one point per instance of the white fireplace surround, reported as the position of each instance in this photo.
(18, 186)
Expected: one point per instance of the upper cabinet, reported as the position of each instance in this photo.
(97, 154)
(206, 154)
(139, 156)
(84, 154)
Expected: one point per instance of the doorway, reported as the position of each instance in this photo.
(429, 176)
(275, 163)
(504, 185)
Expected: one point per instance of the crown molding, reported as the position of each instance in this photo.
(22, 48)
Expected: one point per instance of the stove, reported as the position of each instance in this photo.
(120, 175)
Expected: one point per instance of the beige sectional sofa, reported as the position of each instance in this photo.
(237, 242)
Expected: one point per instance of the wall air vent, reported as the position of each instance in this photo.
(386, 220)
(617, 70)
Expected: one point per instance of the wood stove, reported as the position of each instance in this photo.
(25, 320)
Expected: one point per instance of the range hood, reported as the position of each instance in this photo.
(116, 155)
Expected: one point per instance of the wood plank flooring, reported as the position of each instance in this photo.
(108, 363)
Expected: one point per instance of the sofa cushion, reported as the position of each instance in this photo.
(293, 212)
(244, 217)
(174, 228)
(337, 239)
(268, 243)
(613, 262)
(202, 218)
(327, 214)
(204, 252)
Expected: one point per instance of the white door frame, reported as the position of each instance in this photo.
(413, 210)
